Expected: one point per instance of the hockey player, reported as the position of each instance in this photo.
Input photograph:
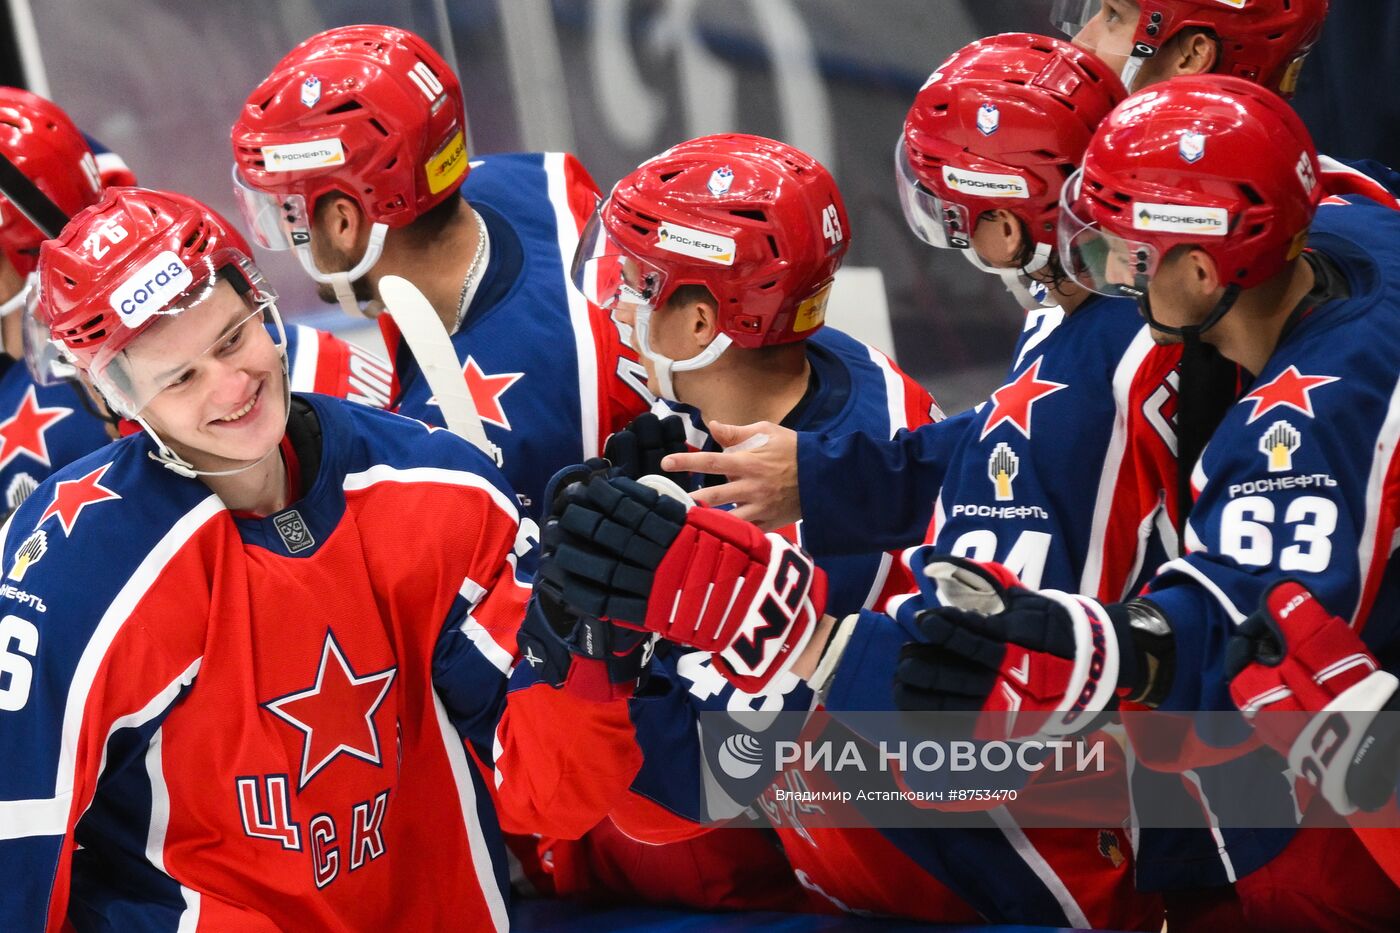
(353, 153)
(685, 188)
(717, 257)
(1206, 222)
(49, 419)
(289, 613)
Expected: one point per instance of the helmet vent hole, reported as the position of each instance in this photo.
(378, 126)
(346, 107)
(669, 175)
(1249, 192)
(391, 163)
(751, 215)
(643, 231)
(265, 103)
(773, 245)
(767, 285)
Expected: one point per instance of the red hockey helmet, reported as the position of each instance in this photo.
(134, 258)
(757, 222)
(1260, 40)
(371, 112)
(1209, 161)
(1000, 124)
(43, 143)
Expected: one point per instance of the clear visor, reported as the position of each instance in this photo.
(275, 223)
(935, 221)
(45, 359)
(1071, 16)
(1095, 258)
(226, 310)
(606, 274)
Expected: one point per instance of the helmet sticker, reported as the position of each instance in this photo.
(151, 288)
(720, 180)
(988, 119)
(811, 313)
(311, 91)
(697, 244)
(1178, 218)
(1192, 146)
(985, 184)
(446, 166)
(294, 157)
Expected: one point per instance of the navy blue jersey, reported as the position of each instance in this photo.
(546, 369)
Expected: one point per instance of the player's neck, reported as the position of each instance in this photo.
(744, 386)
(1250, 332)
(259, 490)
(436, 265)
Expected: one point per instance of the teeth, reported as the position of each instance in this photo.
(242, 411)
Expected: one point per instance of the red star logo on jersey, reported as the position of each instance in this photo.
(336, 714)
(23, 432)
(1012, 403)
(74, 495)
(1290, 389)
(486, 393)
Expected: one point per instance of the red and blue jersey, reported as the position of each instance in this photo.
(548, 371)
(213, 721)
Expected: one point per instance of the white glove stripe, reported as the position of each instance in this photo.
(1342, 666)
(733, 597)
(1267, 698)
(704, 604)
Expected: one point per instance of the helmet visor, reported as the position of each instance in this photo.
(937, 222)
(607, 274)
(1071, 16)
(42, 355)
(1096, 258)
(227, 285)
(274, 222)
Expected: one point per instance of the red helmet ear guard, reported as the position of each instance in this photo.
(1264, 41)
(759, 223)
(371, 112)
(1213, 162)
(43, 143)
(123, 259)
(1000, 125)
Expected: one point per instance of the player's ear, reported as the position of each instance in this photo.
(1202, 274)
(1192, 52)
(704, 321)
(341, 221)
(997, 237)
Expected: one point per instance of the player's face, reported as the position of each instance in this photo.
(1176, 295)
(218, 380)
(670, 331)
(1109, 34)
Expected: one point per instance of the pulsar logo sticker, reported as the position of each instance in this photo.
(697, 244)
(720, 180)
(311, 91)
(988, 119)
(293, 157)
(811, 313)
(1002, 468)
(293, 531)
(1279, 444)
(30, 553)
(448, 164)
(1181, 218)
(985, 184)
(1191, 147)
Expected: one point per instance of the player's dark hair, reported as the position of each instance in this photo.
(686, 294)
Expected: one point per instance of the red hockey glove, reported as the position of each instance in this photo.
(701, 578)
(1313, 692)
(1043, 663)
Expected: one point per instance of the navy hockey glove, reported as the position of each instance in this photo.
(1325, 703)
(636, 451)
(591, 658)
(1039, 663)
(701, 578)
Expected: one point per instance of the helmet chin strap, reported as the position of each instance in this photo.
(1130, 70)
(664, 365)
(1017, 281)
(343, 282)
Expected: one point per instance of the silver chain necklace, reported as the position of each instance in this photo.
(474, 271)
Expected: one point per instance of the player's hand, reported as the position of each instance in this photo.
(587, 656)
(1041, 663)
(1313, 690)
(698, 577)
(637, 450)
(762, 484)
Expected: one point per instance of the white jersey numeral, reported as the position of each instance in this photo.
(1246, 532)
(1026, 558)
(19, 642)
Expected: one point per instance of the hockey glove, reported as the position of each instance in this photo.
(591, 658)
(1293, 657)
(1042, 663)
(698, 577)
(636, 451)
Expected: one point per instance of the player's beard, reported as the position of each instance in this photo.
(332, 259)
